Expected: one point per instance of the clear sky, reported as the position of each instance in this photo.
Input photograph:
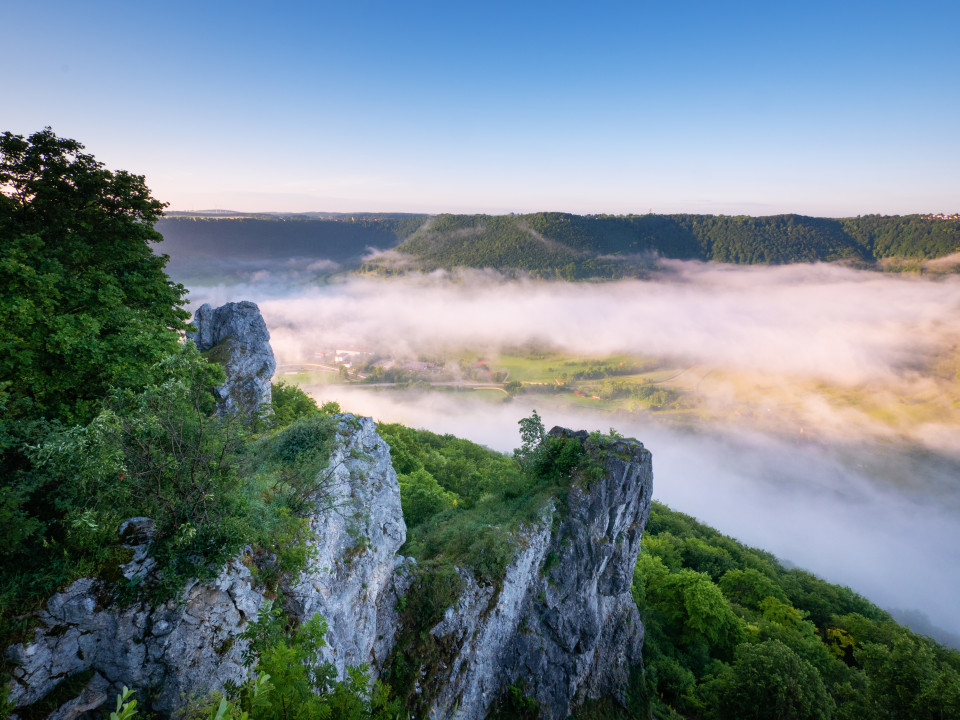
(824, 108)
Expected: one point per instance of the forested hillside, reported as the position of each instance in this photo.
(201, 246)
(549, 245)
(581, 246)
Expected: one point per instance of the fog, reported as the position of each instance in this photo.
(871, 504)
(822, 321)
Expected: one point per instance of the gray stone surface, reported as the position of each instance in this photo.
(236, 336)
(356, 538)
(187, 646)
(564, 624)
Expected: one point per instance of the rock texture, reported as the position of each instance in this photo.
(185, 646)
(564, 626)
(236, 336)
(190, 645)
(355, 546)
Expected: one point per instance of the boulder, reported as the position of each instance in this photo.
(235, 336)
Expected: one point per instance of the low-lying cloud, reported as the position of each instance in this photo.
(819, 321)
(867, 504)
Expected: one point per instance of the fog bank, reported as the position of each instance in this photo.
(820, 321)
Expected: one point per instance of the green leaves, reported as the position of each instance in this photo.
(84, 302)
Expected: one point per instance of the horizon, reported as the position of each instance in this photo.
(226, 214)
(758, 109)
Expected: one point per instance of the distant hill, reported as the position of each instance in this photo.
(546, 244)
(204, 245)
(578, 246)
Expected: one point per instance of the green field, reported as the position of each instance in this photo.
(693, 394)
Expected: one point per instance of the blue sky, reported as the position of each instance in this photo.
(838, 108)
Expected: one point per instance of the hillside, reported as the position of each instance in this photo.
(577, 246)
(548, 245)
(203, 246)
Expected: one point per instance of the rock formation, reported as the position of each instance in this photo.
(236, 336)
(190, 645)
(185, 646)
(355, 547)
(564, 625)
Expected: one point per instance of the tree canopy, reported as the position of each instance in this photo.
(84, 302)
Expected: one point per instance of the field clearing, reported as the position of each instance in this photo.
(694, 395)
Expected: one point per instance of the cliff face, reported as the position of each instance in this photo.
(355, 545)
(236, 336)
(564, 626)
(190, 645)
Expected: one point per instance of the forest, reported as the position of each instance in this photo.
(570, 247)
(546, 245)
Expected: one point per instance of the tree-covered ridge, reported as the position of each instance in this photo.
(731, 633)
(580, 246)
(203, 248)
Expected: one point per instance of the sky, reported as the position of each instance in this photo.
(821, 108)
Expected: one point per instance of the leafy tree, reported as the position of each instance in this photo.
(532, 435)
(290, 403)
(768, 682)
(422, 497)
(748, 587)
(84, 302)
(85, 309)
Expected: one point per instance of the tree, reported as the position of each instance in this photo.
(85, 309)
(532, 434)
(84, 302)
(769, 681)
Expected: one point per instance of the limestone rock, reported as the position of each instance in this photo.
(564, 625)
(236, 336)
(186, 646)
(355, 543)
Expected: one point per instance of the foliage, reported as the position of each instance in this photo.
(85, 310)
(572, 247)
(768, 681)
(126, 707)
(290, 403)
(84, 302)
(731, 633)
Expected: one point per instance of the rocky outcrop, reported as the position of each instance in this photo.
(564, 626)
(355, 546)
(236, 336)
(190, 646)
(187, 646)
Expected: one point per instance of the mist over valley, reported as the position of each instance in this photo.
(812, 410)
